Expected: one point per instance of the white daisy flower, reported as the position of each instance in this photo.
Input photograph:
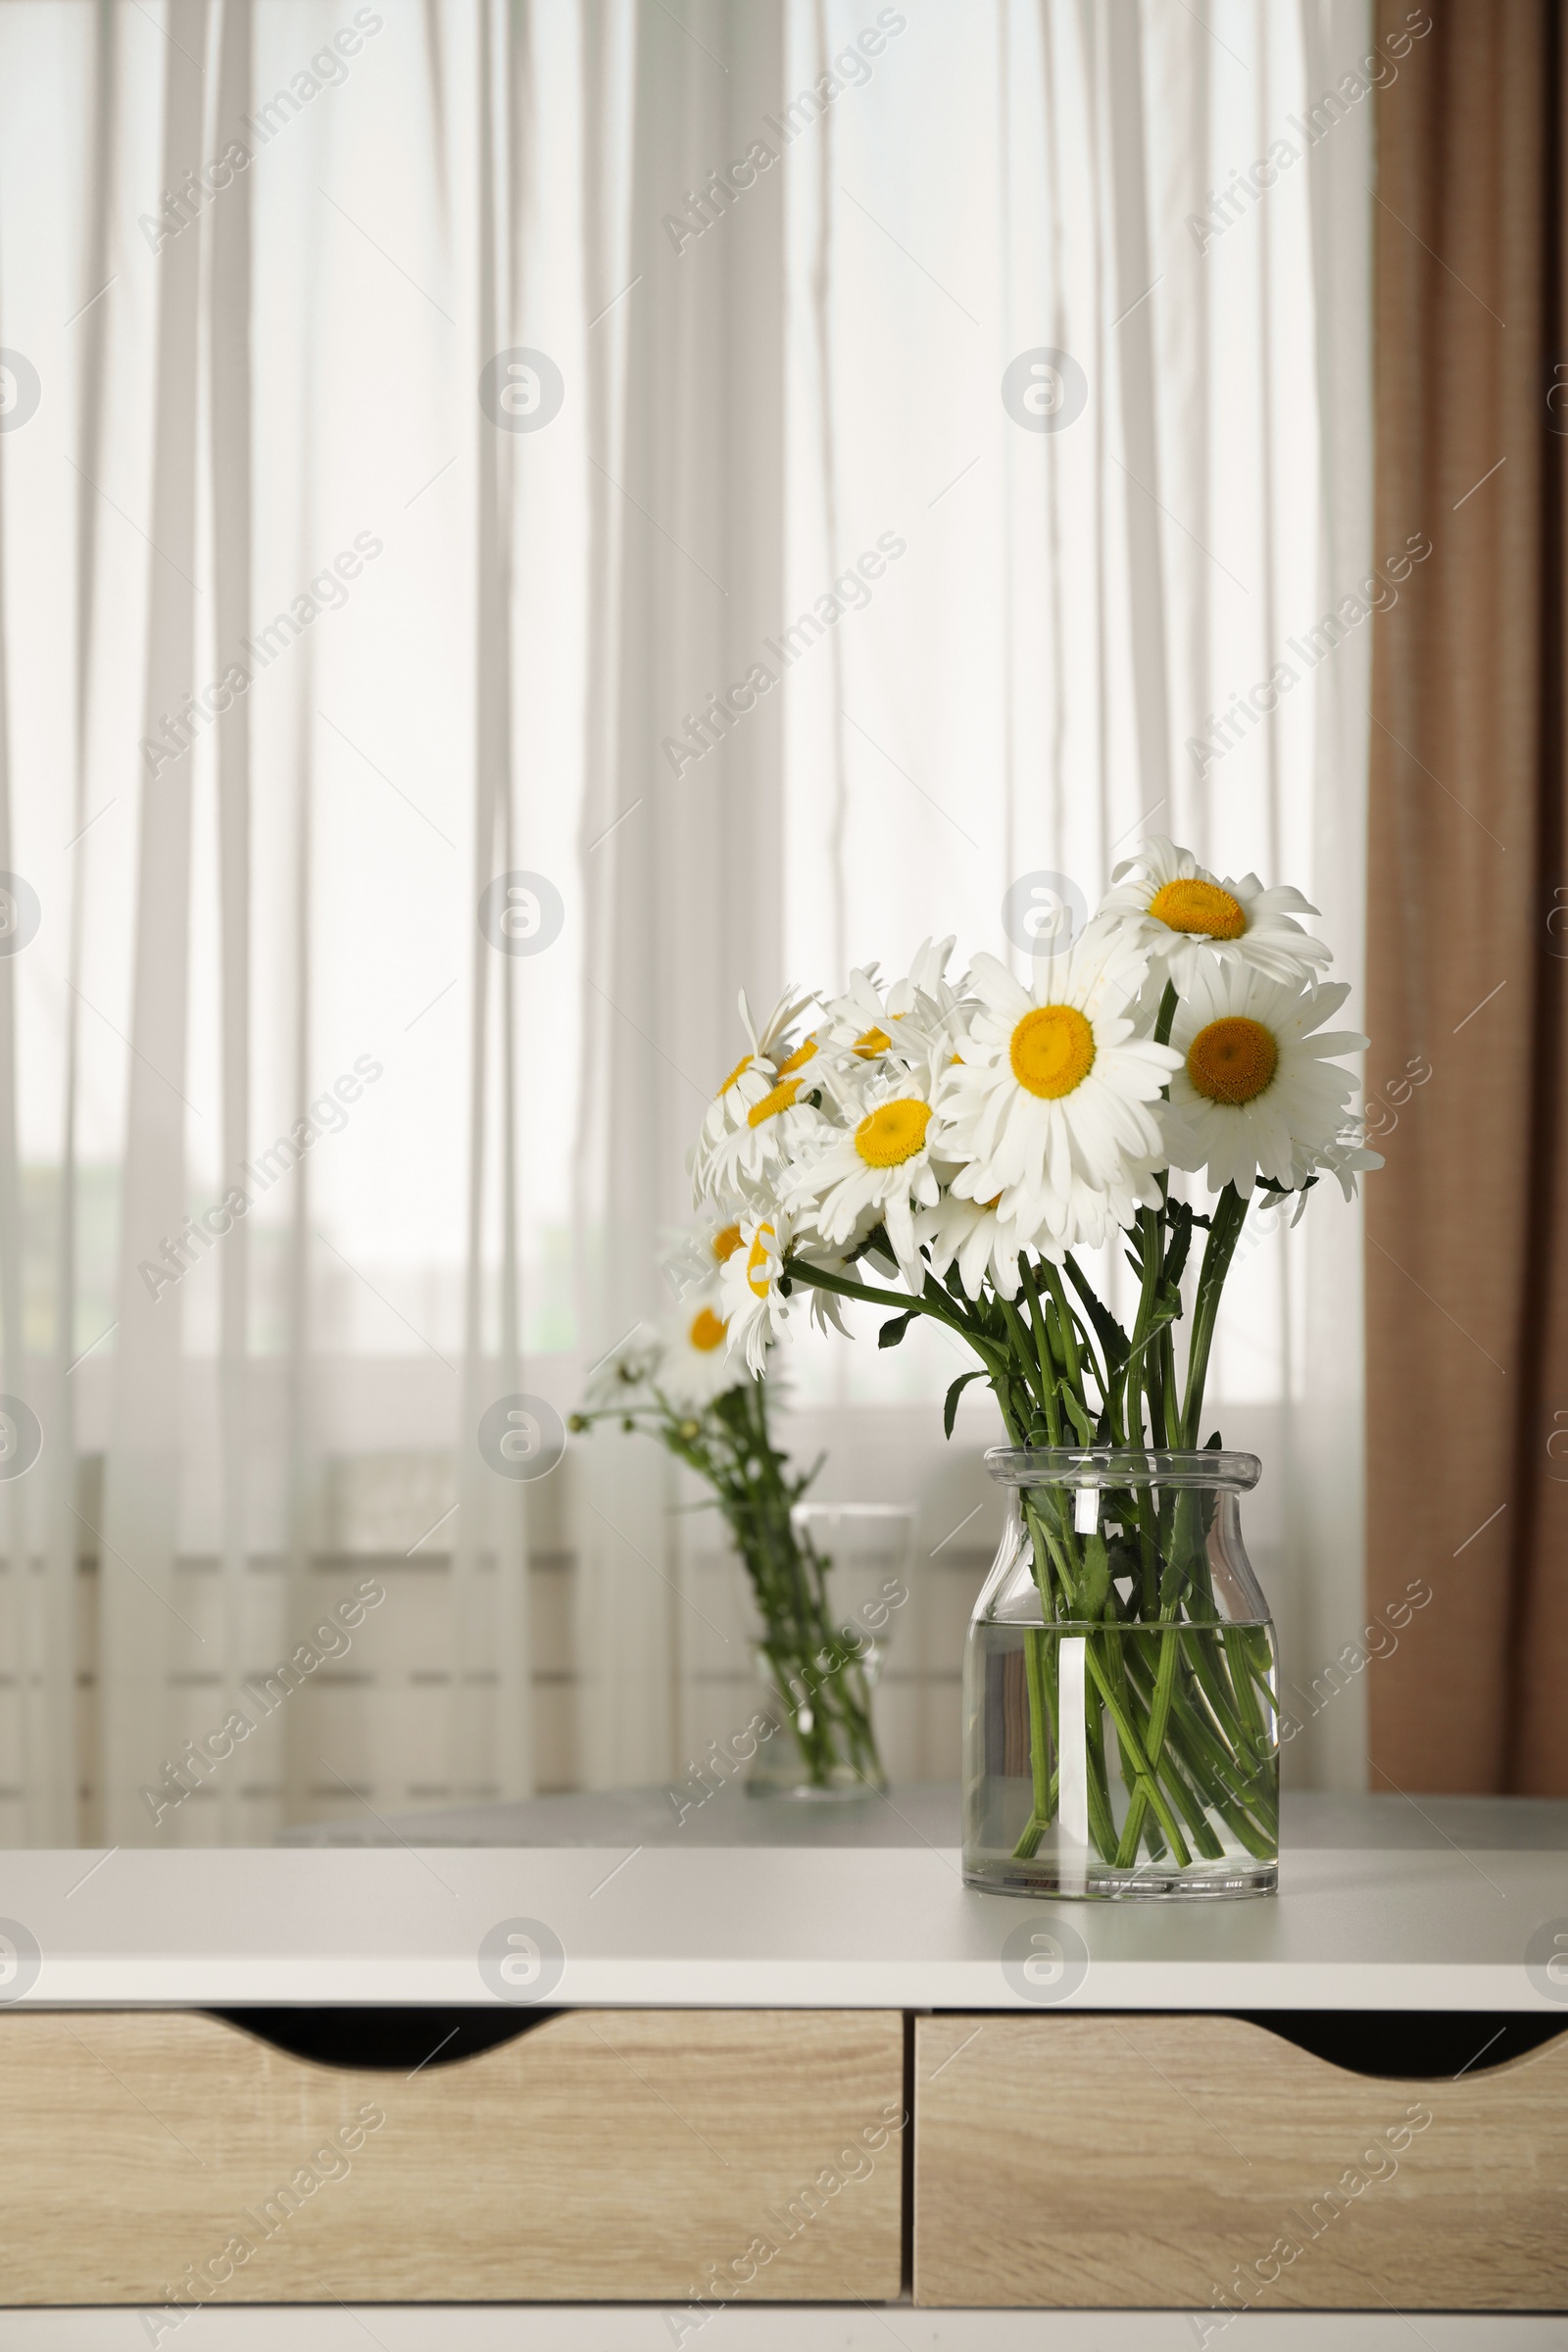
(698, 1254)
(774, 1135)
(695, 1367)
(753, 1077)
(816, 1066)
(876, 1170)
(1346, 1158)
(753, 1305)
(907, 1020)
(751, 1298)
(971, 1234)
(928, 970)
(624, 1376)
(1256, 1092)
(859, 1022)
(1186, 917)
(1048, 1107)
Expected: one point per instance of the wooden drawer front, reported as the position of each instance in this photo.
(621, 2154)
(1175, 2160)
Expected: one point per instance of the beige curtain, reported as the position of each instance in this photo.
(1467, 1227)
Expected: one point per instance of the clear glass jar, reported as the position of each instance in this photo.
(1121, 1728)
(818, 1667)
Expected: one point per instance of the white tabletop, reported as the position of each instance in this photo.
(1382, 1905)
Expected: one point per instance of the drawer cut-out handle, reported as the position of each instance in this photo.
(386, 2041)
(1412, 2045)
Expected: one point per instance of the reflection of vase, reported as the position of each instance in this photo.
(818, 1664)
(1120, 1717)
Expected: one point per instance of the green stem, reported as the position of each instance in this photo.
(1119, 1715)
(818, 1277)
(821, 1682)
(1034, 1667)
(1154, 1744)
(1039, 1370)
(1230, 1215)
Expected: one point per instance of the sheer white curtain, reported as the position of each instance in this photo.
(757, 273)
(1114, 626)
(298, 662)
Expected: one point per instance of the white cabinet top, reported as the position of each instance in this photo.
(1458, 1903)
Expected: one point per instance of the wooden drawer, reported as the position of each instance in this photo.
(605, 2155)
(1159, 2161)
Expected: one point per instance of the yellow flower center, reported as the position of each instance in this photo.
(744, 1063)
(757, 1263)
(1198, 907)
(726, 1242)
(1232, 1060)
(707, 1331)
(798, 1059)
(892, 1134)
(1053, 1051)
(871, 1042)
(782, 1096)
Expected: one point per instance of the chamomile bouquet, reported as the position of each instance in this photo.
(955, 1148)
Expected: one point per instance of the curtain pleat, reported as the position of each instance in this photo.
(1177, 349)
(53, 1765)
(516, 1757)
(14, 1498)
(491, 785)
(229, 360)
(299, 1770)
(1056, 296)
(488, 1521)
(1467, 1264)
(688, 487)
(141, 1628)
(1321, 815)
(1127, 344)
(838, 840)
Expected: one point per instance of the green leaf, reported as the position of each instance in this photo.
(1166, 1308)
(1113, 1339)
(950, 1410)
(1181, 1242)
(1097, 1575)
(893, 1329)
(1077, 1415)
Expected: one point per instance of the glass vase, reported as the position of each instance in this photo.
(817, 1666)
(1121, 1734)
